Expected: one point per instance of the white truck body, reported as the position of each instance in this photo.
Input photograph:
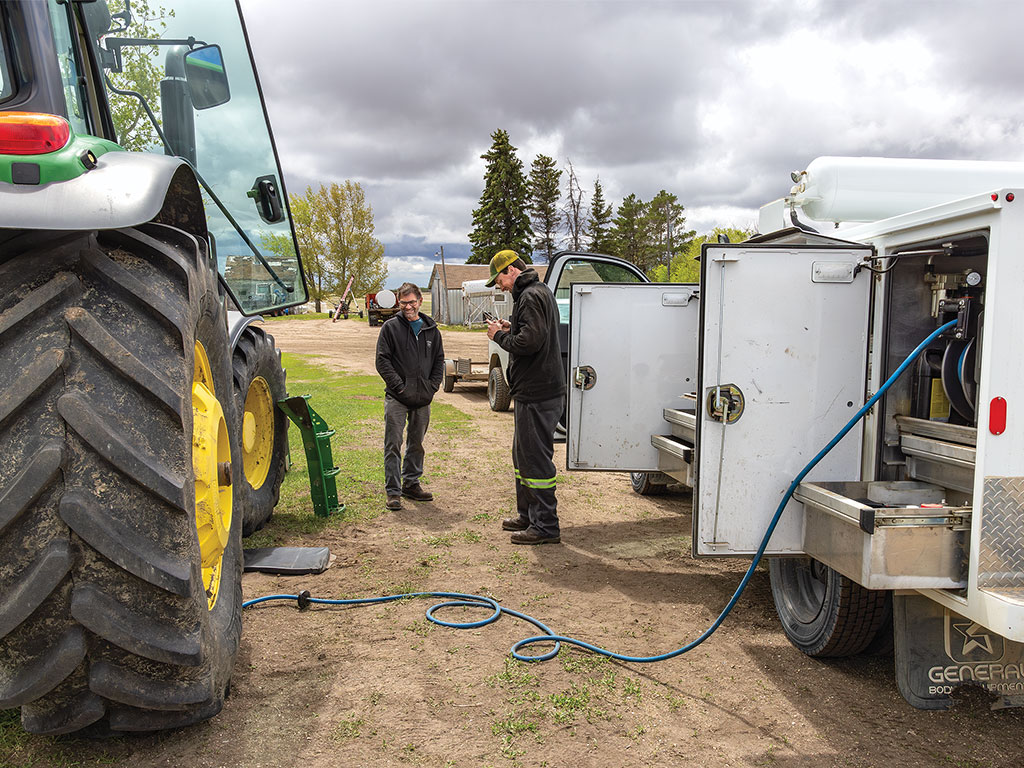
(924, 499)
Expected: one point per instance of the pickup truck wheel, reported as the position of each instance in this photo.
(120, 592)
(497, 390)
(648, 483)
(823, 613)
(259, 383)
(448, 383)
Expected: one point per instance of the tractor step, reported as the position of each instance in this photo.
(316, 440)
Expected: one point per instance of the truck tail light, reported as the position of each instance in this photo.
(32, 133)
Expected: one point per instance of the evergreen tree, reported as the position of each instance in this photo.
(667, 237)
(502, 220)
(544, 194)
(629, 234)
(599, 223)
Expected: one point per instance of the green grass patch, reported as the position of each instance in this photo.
(353, 406)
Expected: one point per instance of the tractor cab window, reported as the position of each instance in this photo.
(68, 63)
(6, 86)
(181, 81)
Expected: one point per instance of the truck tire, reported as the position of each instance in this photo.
(448, 383)
(823, 613)
(259, 383)
(114, 359)
(498, 395)
(649, 483)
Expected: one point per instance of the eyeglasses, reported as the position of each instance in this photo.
(410, 303)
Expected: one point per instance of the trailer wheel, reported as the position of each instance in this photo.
(448, 383)
(648, 483)
(823, 613)
(259, 383)
(498, 395)
(120, 591)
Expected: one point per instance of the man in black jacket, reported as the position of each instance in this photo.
(410, 359)
(536, 379)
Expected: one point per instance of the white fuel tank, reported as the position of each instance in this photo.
(872, 188)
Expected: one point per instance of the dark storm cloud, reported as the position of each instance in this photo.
(714, 101)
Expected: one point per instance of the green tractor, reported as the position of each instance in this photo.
(143, 226)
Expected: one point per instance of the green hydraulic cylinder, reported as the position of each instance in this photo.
(316, 440)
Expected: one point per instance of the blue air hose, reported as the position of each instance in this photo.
(457, 599)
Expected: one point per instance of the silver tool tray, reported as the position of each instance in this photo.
(886, 544)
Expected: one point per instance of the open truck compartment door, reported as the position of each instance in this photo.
(783, 348)
(632, 354)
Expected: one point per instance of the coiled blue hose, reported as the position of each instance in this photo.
(457, 599)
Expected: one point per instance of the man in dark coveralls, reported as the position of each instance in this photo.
(536, 379)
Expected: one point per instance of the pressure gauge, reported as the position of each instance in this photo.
(974, 279)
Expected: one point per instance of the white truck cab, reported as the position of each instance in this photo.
(910, 530)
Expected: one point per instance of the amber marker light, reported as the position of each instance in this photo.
(32, 133)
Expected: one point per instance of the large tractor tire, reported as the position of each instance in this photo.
(259, 382)
(120, 553)
(822, 612)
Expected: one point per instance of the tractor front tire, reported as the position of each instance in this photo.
(259, 383)
(120, 549)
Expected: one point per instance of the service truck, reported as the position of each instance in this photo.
(909, 531)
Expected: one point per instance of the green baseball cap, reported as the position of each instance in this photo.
(500, 262)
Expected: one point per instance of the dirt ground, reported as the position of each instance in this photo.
(380, 686)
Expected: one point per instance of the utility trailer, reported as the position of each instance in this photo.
(908, 532)
(464, 369)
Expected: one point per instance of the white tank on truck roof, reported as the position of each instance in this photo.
(859, 189)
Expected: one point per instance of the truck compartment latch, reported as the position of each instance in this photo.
(725, 400)
(584, 377)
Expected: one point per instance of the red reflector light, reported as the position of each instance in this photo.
(31, 133)
(995, 196)
(1009, 197)
(997, 416)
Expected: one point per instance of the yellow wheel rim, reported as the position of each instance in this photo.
(257, 432)
(211, 461)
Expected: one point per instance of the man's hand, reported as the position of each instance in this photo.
(494, 327)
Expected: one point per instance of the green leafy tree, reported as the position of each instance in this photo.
(666, 231)
(334, 228)
(686, 266)
(544, 194)
(629, 231)
(141, 72)
(599, 223)
(502, 220)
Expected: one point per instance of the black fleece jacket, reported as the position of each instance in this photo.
(411, 366)
(535, 370)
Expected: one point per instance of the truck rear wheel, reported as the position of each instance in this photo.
(259, 383)
(649, 483)
(823, 613)
(498, 395)
(120, 583)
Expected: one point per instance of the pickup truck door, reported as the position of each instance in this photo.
(783, 349)
(632, 353)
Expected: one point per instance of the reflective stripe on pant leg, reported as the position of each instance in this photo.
(535, 425)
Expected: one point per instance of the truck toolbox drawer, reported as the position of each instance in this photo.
(886, 535)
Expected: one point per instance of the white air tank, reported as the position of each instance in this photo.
(873, 188)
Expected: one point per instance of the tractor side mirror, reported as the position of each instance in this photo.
(207, 80)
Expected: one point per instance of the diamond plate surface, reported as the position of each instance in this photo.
(1001, 548)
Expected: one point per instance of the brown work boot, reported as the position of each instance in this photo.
(515, 523)
(394, 502)
(417, 492)
(533, 536)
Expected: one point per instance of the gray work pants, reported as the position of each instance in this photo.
(399, 472)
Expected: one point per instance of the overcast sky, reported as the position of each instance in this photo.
(715, 102)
